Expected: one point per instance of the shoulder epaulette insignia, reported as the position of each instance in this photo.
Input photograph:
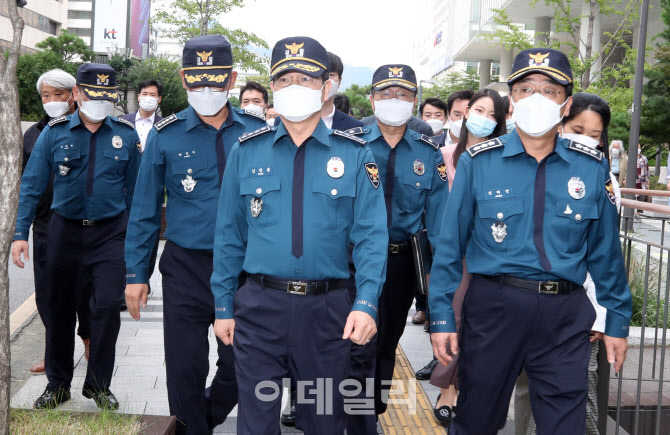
(254, 114)
(429, 141)
(484, 146)
(355, 130)
(125, 121)
(260, 131)
(165, 121)
(349, 136)
(57, 120)
(576, 146)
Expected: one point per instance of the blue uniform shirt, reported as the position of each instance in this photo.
(188, 157)
(95, 173)
(551, 220)
(315, 199)
(414, 178)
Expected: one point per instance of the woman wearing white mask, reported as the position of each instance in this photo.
(55, 89)
(586, 124)
(484, 119)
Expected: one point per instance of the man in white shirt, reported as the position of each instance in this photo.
(149, 95)
(332, 117)
(457, 105)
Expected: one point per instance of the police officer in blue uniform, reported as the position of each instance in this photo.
(413, 176)
(94, 159)
(530, 212)
(187, 153)
(292, 198)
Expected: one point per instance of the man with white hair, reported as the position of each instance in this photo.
(55, 89)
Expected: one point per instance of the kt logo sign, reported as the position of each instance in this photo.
(110, 34)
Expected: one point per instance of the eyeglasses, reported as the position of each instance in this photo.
(211, 88)
(285, 81)
(549, 92)
(401, 95)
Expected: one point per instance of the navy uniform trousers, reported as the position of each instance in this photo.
(377, 358)
(40, 243)
(78, 255)
(188, 313)
(277, 334)
(506, 328)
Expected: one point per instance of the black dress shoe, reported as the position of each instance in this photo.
(104, 399)
(426, 327)
(288, 419)
(51, 399)
(444, 414)
(425, 373)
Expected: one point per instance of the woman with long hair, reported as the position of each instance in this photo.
(484, 120)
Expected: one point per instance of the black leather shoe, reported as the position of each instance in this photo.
(103, 399)
(288, 419)
(426, 327)
(51, 399)
(425, 373)
(443, 414)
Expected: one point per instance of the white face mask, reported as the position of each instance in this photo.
(335, 85)
(580, 138)
(455, 127)
(297, 103)
(616, 152)
(57, 108)
(393, 112)
(536, 115)
(207, 102)
(436, 124)
(148, 104)
(255, 109)
(270, 122)
(96, 110)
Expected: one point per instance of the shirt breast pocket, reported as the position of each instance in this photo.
(187, 175)
(412, 191)
(117, 156)
(336, 198)
(69, 158)
(572, 222)
(500, 223)
(262, 196)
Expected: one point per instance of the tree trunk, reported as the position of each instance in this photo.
(586, 78)
(11, 143)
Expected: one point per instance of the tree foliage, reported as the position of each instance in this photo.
(68, 47)
(359, 100)
(450, 83)
(185, 19)
(122, 65)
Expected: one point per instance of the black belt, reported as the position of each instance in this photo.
(300, 287)
(545, 287)
(400, 247)
(89, 222)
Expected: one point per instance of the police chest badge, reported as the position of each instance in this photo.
(63, 170)
(609, 189)
(256, 207)
(442, 171)
(117, 142)
(419, 167)
(499, 231)
(189, 184)
(576, 188)
(373, 174)
(335, 167)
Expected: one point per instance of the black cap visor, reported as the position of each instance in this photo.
(394, 82)
(212, 76)
(305, 66)
(558, 76)
(100, 92)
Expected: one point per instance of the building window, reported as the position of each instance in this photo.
(80, 32)
(79, 15)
